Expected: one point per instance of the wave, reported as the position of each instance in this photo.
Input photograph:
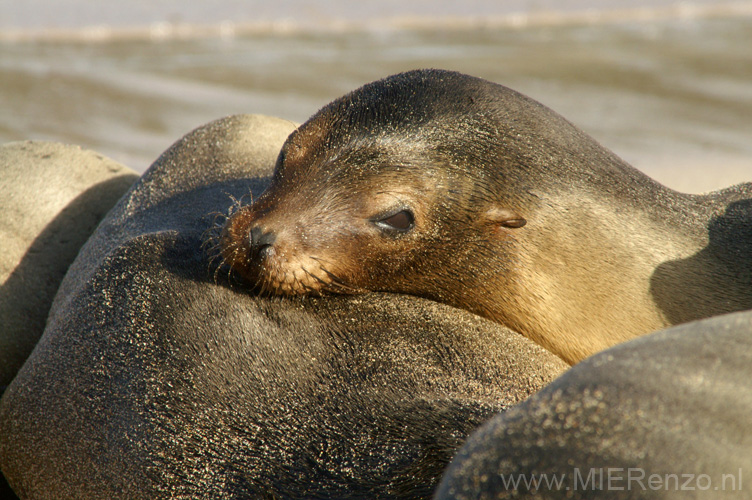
(166, 31)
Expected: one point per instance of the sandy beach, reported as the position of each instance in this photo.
(665, 85)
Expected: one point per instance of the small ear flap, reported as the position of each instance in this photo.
(505, 217)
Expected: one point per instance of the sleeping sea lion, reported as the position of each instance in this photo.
(457, 189)
(157, 379)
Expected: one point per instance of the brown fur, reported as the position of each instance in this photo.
(517, 216)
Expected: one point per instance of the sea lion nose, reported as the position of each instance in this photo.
(260, 241)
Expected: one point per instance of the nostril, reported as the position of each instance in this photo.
(260, 240)
(254, 236)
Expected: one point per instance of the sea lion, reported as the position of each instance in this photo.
(454, 188)
(53, 197)
(662, 416)
(158, 378)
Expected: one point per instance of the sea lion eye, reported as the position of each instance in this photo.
(401, 221)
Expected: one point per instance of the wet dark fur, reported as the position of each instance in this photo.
(156, 379)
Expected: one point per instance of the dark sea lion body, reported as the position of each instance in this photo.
(457, 189)
(663, 416)
(155, 378)
(53, 197)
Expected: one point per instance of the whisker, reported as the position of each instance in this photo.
(212, 246)
(336, 284)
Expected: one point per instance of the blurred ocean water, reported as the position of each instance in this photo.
(666, 85)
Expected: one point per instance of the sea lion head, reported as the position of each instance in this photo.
(410, 184)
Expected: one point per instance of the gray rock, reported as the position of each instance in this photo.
(160, 376)
(53, 196)
(663, 416)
